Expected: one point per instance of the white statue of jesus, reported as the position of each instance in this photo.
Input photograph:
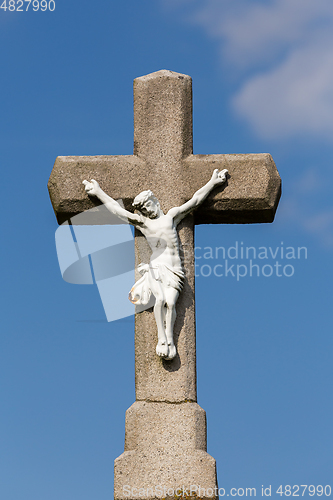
(163, 276)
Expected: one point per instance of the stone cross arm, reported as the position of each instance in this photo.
(163, 161)
(251, 195)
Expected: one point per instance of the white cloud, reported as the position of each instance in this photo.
(281, 51)
(256, 31)
(293, 98)
(286, 48)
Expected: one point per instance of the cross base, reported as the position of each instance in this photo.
(165, 453)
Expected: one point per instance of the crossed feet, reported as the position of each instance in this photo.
(166, 350)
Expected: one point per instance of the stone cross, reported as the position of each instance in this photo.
(165, 437)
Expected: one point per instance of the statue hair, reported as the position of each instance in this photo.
(143, 197)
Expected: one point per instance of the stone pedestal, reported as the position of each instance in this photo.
(165, 453)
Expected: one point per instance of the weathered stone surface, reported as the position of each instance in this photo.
(168, 428)
(163, 118)
(67, 192)
(251, 195)
(163, 151)
(165, 445)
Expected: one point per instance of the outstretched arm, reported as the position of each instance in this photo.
(218, 178)
(93, 189)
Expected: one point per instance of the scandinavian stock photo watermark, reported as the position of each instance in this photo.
(197, 491)
(240, 261)
(96, 247)
(27, 5)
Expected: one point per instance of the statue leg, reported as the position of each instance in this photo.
(162, 348)
(170, 318)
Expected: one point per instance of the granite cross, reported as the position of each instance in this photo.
(165, 438)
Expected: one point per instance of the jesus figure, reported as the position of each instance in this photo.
(163, 276)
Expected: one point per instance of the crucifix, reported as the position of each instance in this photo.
(163, 276)
(165, 436)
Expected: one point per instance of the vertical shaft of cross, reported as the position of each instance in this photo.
(155, 378)
(162, 138)
(163, 117)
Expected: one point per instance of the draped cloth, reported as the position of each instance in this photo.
(141, 291)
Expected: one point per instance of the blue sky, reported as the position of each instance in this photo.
(262, 82)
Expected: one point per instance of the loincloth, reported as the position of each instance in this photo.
(141, 291)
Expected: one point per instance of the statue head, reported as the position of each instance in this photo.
(147, 203)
